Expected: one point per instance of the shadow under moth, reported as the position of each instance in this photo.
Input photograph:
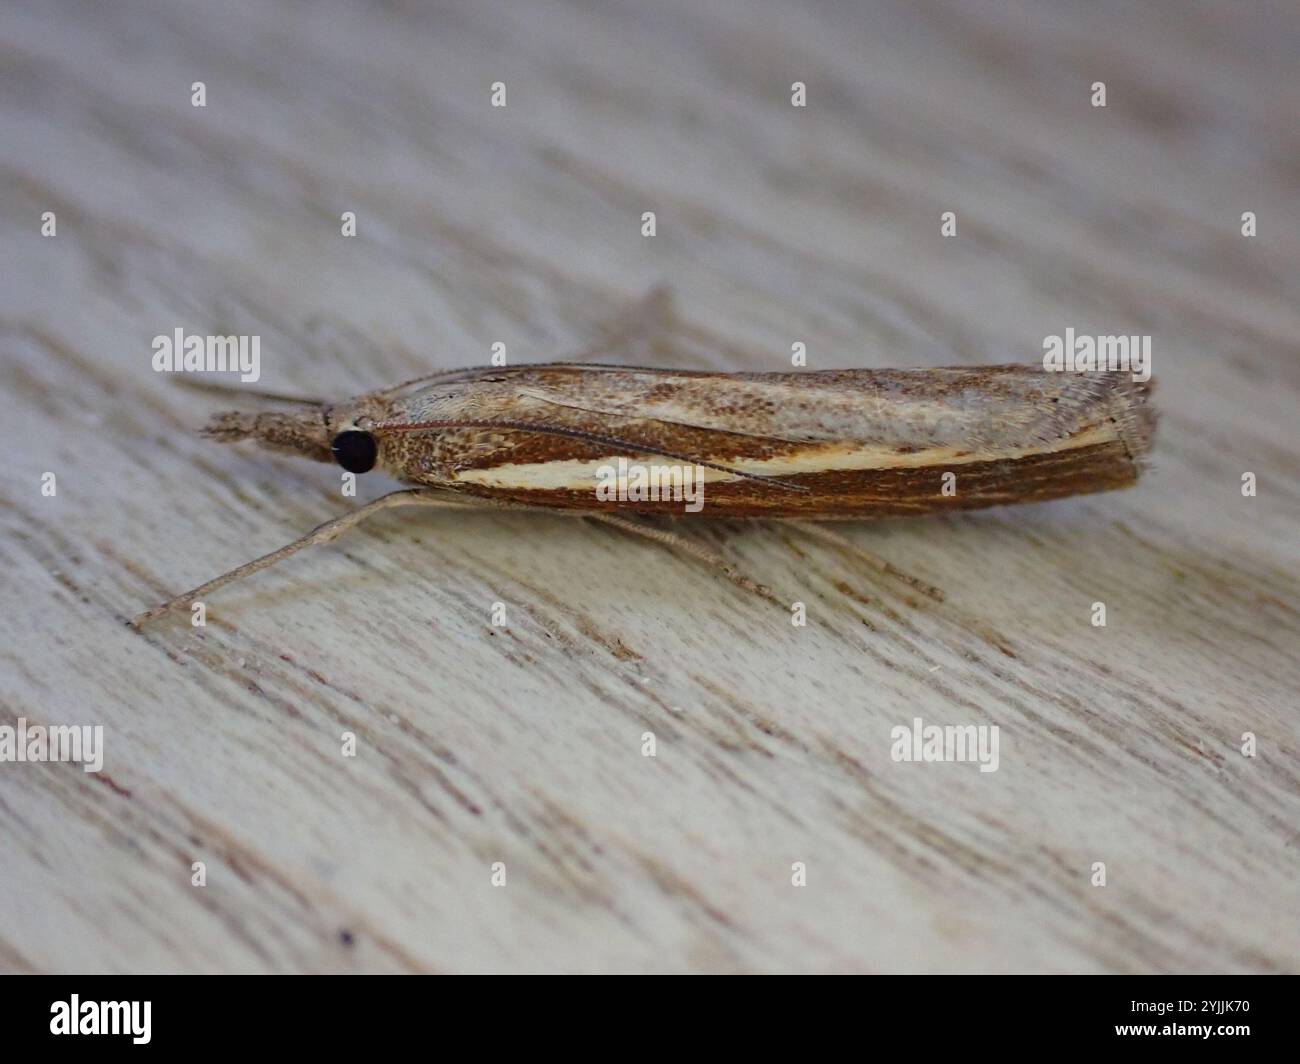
(809, 446)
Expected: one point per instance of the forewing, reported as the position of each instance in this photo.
(832, 443)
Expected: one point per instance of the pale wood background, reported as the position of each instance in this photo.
(523, 744)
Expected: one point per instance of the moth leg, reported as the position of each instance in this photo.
(874, 560)
(325, 533)
(672, 539)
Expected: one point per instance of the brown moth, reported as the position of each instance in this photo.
(811, 446)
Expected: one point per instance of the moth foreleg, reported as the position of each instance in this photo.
(324, 533)
(686, 546)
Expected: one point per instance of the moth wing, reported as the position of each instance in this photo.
(598, 410)
(730, 407)
(834, 443)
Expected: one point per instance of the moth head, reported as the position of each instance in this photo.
(338, 433)
(352, 443)
(323, 433)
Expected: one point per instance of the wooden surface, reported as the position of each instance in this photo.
(522, 744)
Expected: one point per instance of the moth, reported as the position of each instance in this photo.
(810, 446)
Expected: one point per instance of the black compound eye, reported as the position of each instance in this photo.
(355, 451)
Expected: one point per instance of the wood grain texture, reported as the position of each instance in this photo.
(522, 743)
